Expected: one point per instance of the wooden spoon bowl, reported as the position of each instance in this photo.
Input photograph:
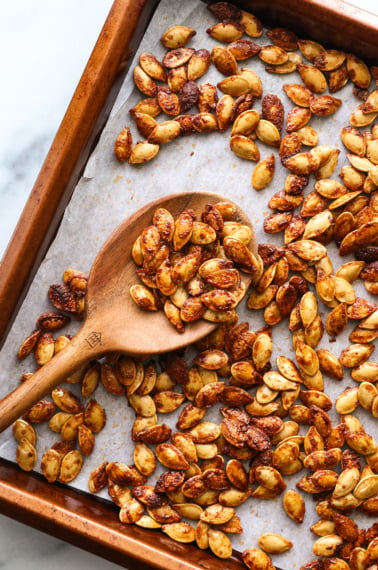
(113, 322)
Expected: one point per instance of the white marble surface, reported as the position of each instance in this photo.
(44, 47)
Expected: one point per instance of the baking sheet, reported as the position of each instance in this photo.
(110, 191)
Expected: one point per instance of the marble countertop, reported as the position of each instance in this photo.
(45, 46)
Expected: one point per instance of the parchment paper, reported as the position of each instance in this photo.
(110, 191)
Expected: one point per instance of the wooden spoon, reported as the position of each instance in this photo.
(113, 322)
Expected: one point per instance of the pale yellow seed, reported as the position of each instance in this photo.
(274, 543)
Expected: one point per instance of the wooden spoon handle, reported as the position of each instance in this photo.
(79, 351)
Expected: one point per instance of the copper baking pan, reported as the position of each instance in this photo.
(78, 518)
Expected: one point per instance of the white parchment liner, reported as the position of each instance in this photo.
(110, 191)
